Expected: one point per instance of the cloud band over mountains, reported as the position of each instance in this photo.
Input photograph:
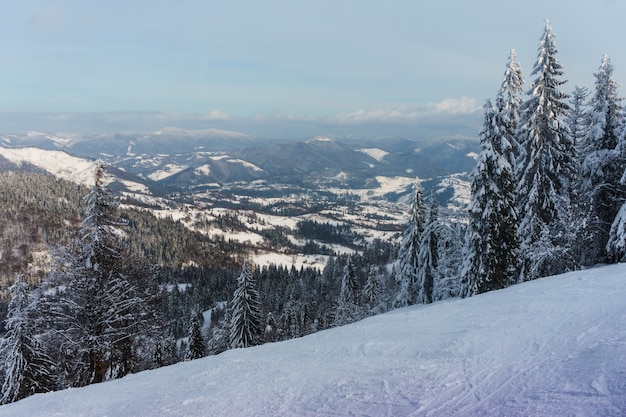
(451, 116)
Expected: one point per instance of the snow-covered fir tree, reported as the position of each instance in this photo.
(428, 255)
(509, 103)
(491, 252)
(220, 340)
(578, 120)
(601, 192)
(246, 325)
(616, 244)
(196, 348)
(103, 313)
(372, 290)
(546, 170)
(348, 307)
(27, 368)
(290, 319)
(270, 333)
(406, 272)
(451, 242)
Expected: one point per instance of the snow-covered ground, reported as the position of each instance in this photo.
(552, 347)
(59, 163)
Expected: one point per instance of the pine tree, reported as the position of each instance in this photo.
(372, 290)
(428, 256)
(246, 327)
(102, 313)
(27, 368)
(406, 274)
(601, 192)
(546, 170)
(348, 309)
(450, 252)
(491, 242)
(196, 348)
(509, 103)
(616, 244)
(271, 328)
(290, 321)
(220, 341)
(578, 120)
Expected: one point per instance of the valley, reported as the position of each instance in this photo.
(258, 193)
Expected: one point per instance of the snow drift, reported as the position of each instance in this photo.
(551, 347)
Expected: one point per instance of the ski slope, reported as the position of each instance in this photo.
(551, 347)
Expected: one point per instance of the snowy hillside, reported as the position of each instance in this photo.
(58, 163)
(551, 347)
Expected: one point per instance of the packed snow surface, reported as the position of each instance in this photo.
(551, 347)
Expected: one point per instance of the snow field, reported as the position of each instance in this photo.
(551, 347)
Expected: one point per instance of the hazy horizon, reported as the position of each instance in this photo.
(284, 69)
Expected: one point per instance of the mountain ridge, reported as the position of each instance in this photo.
(175, 159)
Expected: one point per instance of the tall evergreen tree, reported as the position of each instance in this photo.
(102, 313)
(348, 309)
(578, 120)
(601, 192)
(246, 322)
(546, 170)
(451, 243)
(196, 348)
(428, 256)
(372, 290)
(220, 341)
(616, 245)
(509, 104)
(406, 274)
(27, 368)
(491, 251)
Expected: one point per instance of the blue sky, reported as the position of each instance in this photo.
(283, 68)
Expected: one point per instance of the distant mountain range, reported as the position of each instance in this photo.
(176, 159)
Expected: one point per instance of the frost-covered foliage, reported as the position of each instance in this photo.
(196, 348)
(451, 234)
(606, 111)
(578, 120)
(428, 256)
(509, 104)
(616, 245)
(372, 291)
(27, 368)
(245, 325)
(546, 169)
(406, 275)
(103, 298)
(491, 252)
(348, 307)
(601, 192)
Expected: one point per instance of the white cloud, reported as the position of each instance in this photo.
(408, 113)
(462, 105)
(217, 115)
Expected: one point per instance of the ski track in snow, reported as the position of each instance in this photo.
(551, 347)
